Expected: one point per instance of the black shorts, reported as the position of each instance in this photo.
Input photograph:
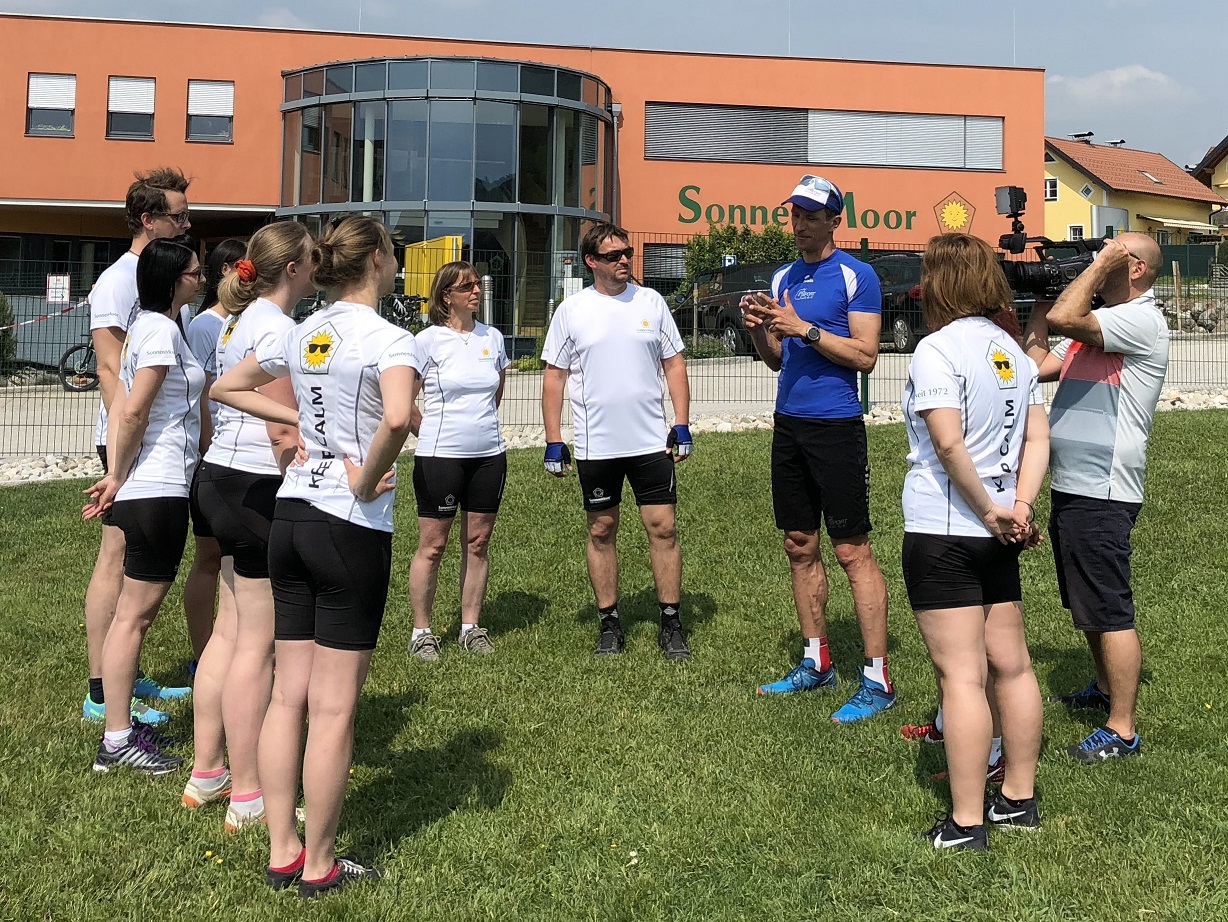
(443, 485)
(821, 467)
(102, 456)
(155, 530)
(237, 507)
(200, 524)
(1091, 548)
(330, 577)
(651, 477)
(958, 571)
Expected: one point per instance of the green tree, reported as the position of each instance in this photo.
(704, 252)
(8, 338)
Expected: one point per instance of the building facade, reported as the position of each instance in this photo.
(502, 149)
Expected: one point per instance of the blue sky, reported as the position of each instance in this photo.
(1143, 70)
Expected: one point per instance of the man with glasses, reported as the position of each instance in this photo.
(156, 207)
(1111, 369)
(819, 328)
(610, 344)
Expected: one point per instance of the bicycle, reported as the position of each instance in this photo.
(78, 368)
(403, 310)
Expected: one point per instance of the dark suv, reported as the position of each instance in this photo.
(900, 277)
(720, 293)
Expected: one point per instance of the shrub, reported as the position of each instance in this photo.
(8, 338)
(708, 347)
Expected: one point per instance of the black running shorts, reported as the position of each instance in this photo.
(444, 485)
(155, 531)
(959, 571)
(651, 477)
(330, 577)
(238, 509)
(200, 525)
(821, 467)
(1091, 548)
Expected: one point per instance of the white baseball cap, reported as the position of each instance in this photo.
(815, 192)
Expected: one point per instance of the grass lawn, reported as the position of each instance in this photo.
(543, 784)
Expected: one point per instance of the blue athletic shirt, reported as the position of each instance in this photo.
(811, 385)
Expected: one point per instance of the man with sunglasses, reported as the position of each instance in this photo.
(1111, 369)
(610, 344)
(819, 328)
(155, 208)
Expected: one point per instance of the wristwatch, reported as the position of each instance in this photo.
(812, 334)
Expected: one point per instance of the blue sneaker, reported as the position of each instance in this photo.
(870, 699)
(91, 710)
(147, 688)
(1103, 744)
(803, 677)
(1088, 699)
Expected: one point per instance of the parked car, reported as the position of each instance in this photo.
(720, 293)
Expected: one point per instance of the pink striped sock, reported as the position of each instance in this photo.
(246, 798)
(209, 775)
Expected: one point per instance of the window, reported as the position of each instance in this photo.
(211, 109)
(1152, 178)
(1087, 191)
(1074, 232)
(1050, 189)
(130, 108)
(1164, 238)
(51, 101)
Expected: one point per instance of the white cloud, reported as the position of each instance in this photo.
(1131, 85)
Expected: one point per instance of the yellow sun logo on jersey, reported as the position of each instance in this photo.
(319, 346)
(123, 357)
(1003, 367)
(485, 352)
(229, 329)
(644, 323)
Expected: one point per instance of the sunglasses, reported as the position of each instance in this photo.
(178, 218)
(321, 348)
(467, 286)
(615, 255)
(1002, 364)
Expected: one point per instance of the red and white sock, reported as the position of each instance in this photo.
(875, 670)
(816, 650)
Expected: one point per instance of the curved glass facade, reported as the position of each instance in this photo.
(493, 161)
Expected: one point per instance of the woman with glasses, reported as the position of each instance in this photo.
(330, 545)
(460, 464)
(153, 444)
(203, 586)
(978, 449)
(235, 491)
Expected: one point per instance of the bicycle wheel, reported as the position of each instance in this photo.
(79, 369)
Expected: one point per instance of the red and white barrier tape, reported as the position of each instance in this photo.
(23, 323)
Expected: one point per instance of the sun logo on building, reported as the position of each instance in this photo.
(319, 347)
(1003, 367)
(954, 214)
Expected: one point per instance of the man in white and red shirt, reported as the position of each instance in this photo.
(611, 344)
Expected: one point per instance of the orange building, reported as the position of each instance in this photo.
(509, 146)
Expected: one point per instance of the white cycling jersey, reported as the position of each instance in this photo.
(202, 340)
(460, 377)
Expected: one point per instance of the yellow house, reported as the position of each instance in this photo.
(1212, 172)
(1096, 190)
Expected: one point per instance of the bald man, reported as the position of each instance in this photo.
(1111, 368)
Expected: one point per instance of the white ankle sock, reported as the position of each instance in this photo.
(253, 807)
(419, 631)
(466, 628)
(117, 739)
(938, 720)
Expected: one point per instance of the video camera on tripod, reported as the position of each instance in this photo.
(1047, 278)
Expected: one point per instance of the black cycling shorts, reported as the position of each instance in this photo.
(1091, 548)
(155, 531)
(651, 477)
(821, 467)
(960, 571)
(238, 509)
(330, 577)
(444, 485)
(200, 524)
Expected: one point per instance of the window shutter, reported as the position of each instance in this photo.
(131, 94)
(847, 137)
(739, 134)
(52, 91)
(983, 145)
(211, 97)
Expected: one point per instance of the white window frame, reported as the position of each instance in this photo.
(1088, 190)
(1050, 184)
(51, 93)
(1074, 232)
(131, 96)
(211, 99)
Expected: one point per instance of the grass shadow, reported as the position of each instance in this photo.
(512, 611)
(642, 606)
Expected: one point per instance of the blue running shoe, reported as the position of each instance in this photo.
(1103, 744)
(804, 677)
(870, 699)
(1087, 699)
(147, 688)
(140, 710)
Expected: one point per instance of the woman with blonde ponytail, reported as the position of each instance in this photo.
(235, 490)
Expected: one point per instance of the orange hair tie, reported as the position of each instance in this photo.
(246, 269)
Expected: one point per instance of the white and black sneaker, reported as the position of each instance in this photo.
(1004, 813)
(946, 833)
(138, 754)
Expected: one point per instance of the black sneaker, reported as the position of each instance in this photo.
(1090, 698)
(280, 880)
(610, 642)
(1103, 744)
(138, 754)
(946, 833)
(672, 640)
(152, 735)
(347, 872)
(1003, 814)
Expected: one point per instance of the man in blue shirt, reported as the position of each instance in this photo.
(819, 328)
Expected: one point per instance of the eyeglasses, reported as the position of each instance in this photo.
(615, 255)
(467, 286)
(178, 218)
(197, 273)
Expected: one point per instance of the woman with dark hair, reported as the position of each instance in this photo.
(330, 545)
(460, 464)
(235, 492)
(153, 445)
(203, 587)
(979, 446)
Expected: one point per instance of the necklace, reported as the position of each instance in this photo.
(464, 336)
